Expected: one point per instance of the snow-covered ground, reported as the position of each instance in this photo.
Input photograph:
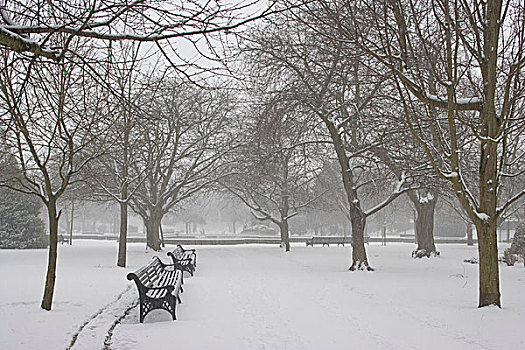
(258, 297)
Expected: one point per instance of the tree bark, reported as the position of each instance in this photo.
(284, 226)
(486, 226)
(359, 258)
(123, 234)
(489, 292)
(49, 288)
(152, 224)
(424, 224)
(285, 234)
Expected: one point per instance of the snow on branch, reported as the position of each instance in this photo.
(473, 103)
(482, 216)
(21, 44)
(511, 201)
(153, 22)
(399, 188)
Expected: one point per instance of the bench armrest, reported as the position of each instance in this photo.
(188, 259)
(185, 250)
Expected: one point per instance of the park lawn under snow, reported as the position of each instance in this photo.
(258, 297)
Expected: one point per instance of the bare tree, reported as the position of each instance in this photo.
(275, 166)
(52, 117)
(118, 173)
(186, 144)
(332, 81)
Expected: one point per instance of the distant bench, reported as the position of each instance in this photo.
(62, 239)
(327, 240)
(184, 259)
(158, 285)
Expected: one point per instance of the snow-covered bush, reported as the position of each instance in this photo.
(20, 226)
(420, 253)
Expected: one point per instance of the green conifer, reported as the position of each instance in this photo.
(20, 224)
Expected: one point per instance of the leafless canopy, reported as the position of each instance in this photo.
(31, 26)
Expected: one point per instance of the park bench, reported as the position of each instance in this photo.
(184, 259)
(62, 239)
(327, 240)
(158, 285)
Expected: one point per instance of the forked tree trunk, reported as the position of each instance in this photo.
(123, 234)
(49, 288)
(424, 225)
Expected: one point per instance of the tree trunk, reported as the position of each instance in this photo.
(285, 234)
(345, 229)
(489, 292)
(161, 235)
(152, 224)
(49, 288)
(357, 216)
(359, 258)
(284, 226)
(486, 223)
(470, 238)
(71, 222)
(382, 223)
(424, 224)
(123, 227)
(123, 234)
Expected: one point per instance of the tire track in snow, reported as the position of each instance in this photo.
(109, 336)
(99, 327)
